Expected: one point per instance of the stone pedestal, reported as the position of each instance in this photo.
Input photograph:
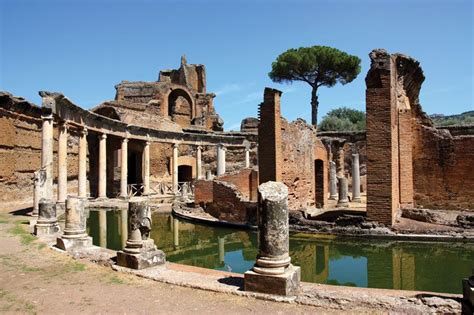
(355, 178)
(343, 201)
(74, 235)
(140, 251)
(47, 223)
(273, 272)
(332, 181)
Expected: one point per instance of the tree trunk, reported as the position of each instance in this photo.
(314, 106)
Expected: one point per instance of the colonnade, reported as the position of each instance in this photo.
(46, 189)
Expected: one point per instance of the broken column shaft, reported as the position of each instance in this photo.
(273, 272)
(75, 235)
(47, 223)
(343, 201)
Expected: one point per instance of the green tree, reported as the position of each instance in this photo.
(318, 66)
(343, 119)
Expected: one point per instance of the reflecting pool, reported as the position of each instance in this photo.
(427, 266)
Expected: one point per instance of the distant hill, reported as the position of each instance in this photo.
(466, 118)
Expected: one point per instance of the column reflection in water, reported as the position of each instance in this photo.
(221, 242)
(123, 227)
(103, 229)
(175, 232)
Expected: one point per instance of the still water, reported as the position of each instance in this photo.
(423, 266)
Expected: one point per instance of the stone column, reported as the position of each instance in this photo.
(47, 223)
(38, 181)
(82, 176)
(332, 181)
(124, 168)
(220, 160)
(47, 141)
(343, 201)
(140, 250)
(355, 178)
(198, 162)
(273, 272)
(340, 160)
(62, 162)
(103, 166)
(103, 228)
(146, 168)
(208, 175)
(74, 234)
(175, 168)
(247, 157)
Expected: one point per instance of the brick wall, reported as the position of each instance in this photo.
(246, 181)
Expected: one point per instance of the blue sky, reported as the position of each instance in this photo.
(83, 48)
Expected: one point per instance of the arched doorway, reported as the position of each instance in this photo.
(185, 173)
(319, 183)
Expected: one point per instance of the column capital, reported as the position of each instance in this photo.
(63, 125)
(103, 136)
(175, 145)
(125, 140)
(83, 131)
(199, 147)
(222, 147)
(46, 116)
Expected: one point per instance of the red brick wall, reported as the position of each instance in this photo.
(246, 181)
(406, 159)
(269, 137)
(203, 191)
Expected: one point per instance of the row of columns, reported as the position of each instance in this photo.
(341, 195)
(47, 163)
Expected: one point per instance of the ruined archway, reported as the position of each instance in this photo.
(180, 107)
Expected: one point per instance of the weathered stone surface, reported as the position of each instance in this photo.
(466, 220)
(343, 200)
(286, 284)
(47, 223)
(249, 124)
(74, 234)
(140, 250)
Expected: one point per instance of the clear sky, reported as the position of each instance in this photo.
(83, 48)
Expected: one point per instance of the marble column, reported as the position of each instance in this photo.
(124, 168)
(82, 176)
(140, 250)
(355, 178)
(103, 228)
(175, 168)
(47, 142)
(340, 161)
(247, 157)
(273, 272)
(74, 234)
(343, 201)
(198, 162)
(38, 181)
(332, 181)
(62, 162)
(208, 175)
(103, 166)
(146, 168)
(220, 160)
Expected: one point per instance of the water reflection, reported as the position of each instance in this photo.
(435, 267)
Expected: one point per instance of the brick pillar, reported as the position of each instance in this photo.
(269, 137)
(382, 139)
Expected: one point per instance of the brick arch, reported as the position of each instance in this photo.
(176, 92)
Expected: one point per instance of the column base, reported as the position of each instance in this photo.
(343, 204)
(286, 284)
(356, 199)
(73, 243)
(140, 258)
(333, 197)
(46, 228)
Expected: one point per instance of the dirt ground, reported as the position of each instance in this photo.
(36, 279)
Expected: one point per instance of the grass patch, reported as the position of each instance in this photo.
(2, 221)
(115, 280)
(18, 230)
(76, 266)
(41, 245)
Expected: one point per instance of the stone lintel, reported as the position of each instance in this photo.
(286, 284)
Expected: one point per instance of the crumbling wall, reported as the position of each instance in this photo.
(20, 150)
(246, 181)
(224, 201)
